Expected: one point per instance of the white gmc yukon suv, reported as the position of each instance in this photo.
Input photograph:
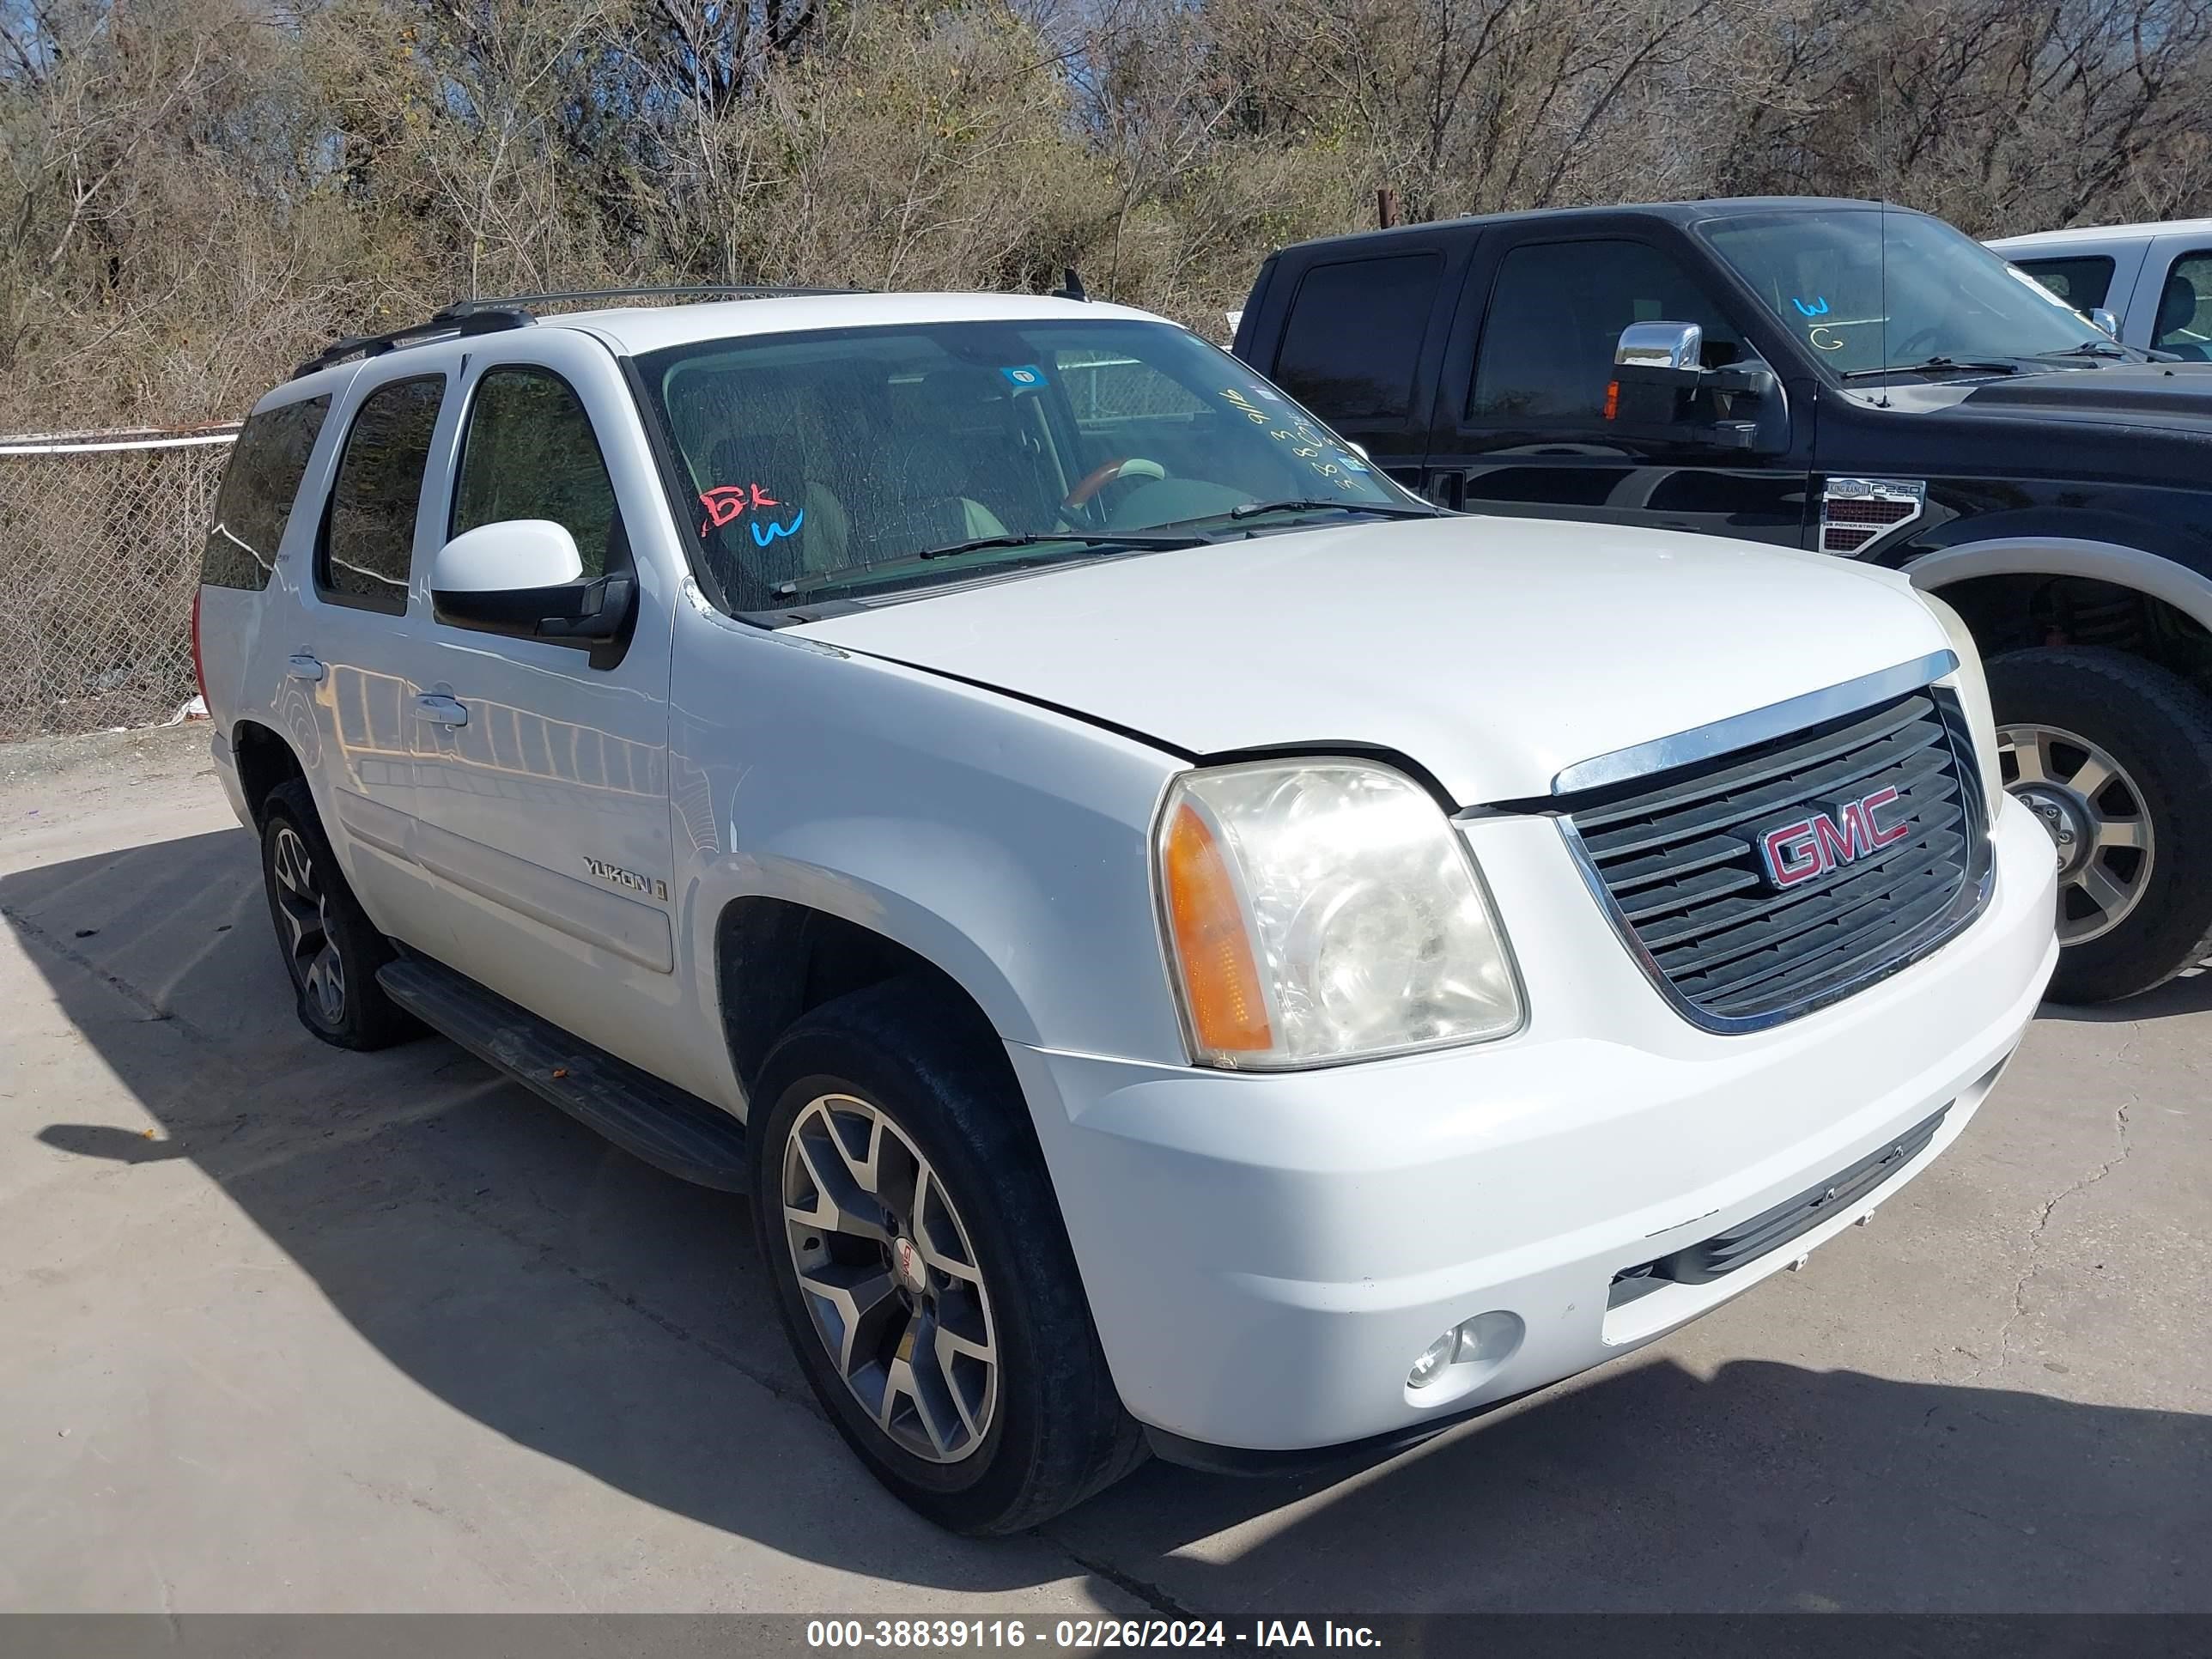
(1187, 947)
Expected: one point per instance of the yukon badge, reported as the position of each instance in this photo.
(628, 880)
(1825, 835)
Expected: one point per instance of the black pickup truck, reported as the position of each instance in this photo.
(1863, 382)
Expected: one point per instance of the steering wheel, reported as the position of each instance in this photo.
(1121, 466)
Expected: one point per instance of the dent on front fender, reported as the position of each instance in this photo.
(1006, 844)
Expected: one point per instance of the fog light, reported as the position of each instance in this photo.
(1472, 1351)
(1488, 1339)
(1430, 1365)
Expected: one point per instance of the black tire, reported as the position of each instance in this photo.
(331, 950)
(918, 1054)
(2157, 728)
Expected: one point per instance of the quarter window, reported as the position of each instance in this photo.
(1556, 313)
(2185, 309)
(530, 453)
(1353, 340)
(368, 541)
(258, 485)
(2082, 282)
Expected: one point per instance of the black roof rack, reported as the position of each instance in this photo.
(492, 316)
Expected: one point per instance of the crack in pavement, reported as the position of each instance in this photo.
(1159, 1599)
(2036, 1234)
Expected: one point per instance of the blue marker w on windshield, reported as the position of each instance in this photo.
(1818, 308)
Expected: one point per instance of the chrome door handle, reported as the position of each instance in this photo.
(305, 667)
(442, 710)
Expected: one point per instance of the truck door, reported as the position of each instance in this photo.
(1362, 339)
(348, 661)
(1529, 420)
(542, 767)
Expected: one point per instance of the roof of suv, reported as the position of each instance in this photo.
(635, 329)
(631, 329)
(2106, 232)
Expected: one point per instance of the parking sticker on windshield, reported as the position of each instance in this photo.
(763, 534)
(726, 503)
(1023, 377)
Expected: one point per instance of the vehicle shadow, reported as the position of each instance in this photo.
(2191, 994)
(590, 1309)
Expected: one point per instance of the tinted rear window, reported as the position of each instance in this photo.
(1353, 340)
(258, 485)
(368, 539)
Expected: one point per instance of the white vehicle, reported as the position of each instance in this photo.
(2153, 281)
(1185, 946)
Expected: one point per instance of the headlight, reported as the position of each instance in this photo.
(1325, 910)
(1974, 697)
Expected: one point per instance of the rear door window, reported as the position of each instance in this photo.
(530, 452)
(1557, 310)
(368, 539)
(2082, 282)
(2184, 324)
(1352, 346)
(259, 486)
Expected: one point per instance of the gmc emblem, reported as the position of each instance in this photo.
(1819, 838)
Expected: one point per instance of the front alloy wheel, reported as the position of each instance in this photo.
(889, 1278)
(303, 914)
(2093, 812)
(2113, 755)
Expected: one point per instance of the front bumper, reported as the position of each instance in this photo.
(1266, 1256)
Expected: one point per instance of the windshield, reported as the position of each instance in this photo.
(1948, 296)
(829, 464)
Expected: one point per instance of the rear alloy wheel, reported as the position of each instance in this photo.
(303, 925)
(889, 1279)
(2113, 755)
(331, 949)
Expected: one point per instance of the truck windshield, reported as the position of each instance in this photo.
(1938, 294)
(859, 462)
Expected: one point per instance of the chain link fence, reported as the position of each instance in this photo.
(102, 532)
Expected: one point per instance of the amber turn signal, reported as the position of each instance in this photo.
(1221, 980)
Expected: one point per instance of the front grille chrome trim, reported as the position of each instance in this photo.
(1972, 896)
(1777, 720)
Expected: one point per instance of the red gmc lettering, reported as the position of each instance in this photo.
(1815, 844)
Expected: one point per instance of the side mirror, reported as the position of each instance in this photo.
(524, 577)
(1661, 345)
(2105, 321)
(1659, 380)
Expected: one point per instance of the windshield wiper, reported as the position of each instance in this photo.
(1079, 538)
(1967, 365)
(844, 575)
(1381, 509)
(2091, 348)
(1305, 504)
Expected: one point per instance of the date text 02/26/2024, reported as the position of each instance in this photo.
(1086, 1635)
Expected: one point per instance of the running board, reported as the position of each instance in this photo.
(671, 1129)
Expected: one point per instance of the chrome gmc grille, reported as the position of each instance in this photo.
(1766, 880)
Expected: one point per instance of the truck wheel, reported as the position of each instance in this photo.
(2114, 755)
(922, 1269)
(331, 949)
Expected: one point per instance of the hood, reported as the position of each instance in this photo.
(1492, 652)
(2172, 395)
